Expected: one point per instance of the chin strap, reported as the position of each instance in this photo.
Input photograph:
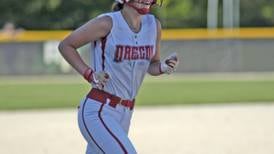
(142, 11)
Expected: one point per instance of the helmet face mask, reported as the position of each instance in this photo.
(141, 6)
(154, 2)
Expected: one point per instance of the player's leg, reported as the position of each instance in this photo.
(126, 118)
(92, 147)
(114, 128)
(98, 124)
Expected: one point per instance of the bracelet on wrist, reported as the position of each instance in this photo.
(88, 74)
(160, 68)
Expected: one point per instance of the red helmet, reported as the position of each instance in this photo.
(142, 10)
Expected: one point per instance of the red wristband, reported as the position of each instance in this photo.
(88, 74)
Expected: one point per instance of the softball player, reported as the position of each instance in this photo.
(126, 44)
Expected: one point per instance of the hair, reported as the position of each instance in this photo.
(116, 6)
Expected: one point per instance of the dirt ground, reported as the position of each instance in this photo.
(211, 129)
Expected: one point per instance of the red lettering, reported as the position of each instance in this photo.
(148, 52)
(118, 53)
(135, 54)
(127, 53)
(142, 53)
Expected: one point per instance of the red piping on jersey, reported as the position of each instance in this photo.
(111, 133)
(103, 47)
(94, 46)
(87, 127)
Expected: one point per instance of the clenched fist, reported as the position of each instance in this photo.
(169, 64)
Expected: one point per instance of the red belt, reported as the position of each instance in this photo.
(102, 96)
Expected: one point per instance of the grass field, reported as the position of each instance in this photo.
(60, 91)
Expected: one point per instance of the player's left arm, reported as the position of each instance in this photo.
(168, 65)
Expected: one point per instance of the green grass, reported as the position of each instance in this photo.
(200, 92)
(58, 93)
(25, 96)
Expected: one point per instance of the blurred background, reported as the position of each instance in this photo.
(226, 39)
(222, 94)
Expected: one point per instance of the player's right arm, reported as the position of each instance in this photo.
(91, 31)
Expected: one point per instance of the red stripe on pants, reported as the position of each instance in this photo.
(115, 137)
(87, 127)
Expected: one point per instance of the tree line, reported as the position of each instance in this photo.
(70, 14)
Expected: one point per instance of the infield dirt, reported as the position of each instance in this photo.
(205, 129)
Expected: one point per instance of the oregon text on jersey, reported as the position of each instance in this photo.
(126, 52)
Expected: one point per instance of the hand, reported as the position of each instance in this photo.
(100, 79)
(169, 64)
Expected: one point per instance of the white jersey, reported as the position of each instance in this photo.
(125, 55)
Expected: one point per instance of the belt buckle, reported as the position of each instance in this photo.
(120, 101)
